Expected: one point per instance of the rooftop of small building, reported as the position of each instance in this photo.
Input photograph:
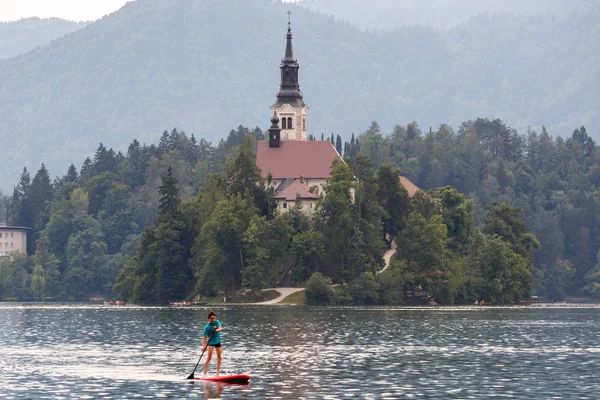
(410, 187)
(298, 188)
(294, 159)
(4, 226)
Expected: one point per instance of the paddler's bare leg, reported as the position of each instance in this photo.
(208, 357)
(219, 349)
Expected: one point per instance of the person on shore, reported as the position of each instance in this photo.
(214, 329)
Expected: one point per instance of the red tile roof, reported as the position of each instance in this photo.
(293, 159)
(289, 193)
(410, 187)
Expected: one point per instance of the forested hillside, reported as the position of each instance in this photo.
(507, 215)
(21, 36)
(393, 14)
(207, 64)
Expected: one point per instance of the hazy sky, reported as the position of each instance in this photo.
(75, 10)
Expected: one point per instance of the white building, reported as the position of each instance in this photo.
(12, 239)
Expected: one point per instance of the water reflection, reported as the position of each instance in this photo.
(87, 351)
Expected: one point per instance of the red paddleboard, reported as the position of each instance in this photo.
(241, 378)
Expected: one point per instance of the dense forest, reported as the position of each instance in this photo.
(505, 216)
(210, 65)
(394, 14)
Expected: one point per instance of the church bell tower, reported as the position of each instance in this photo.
(290, 107)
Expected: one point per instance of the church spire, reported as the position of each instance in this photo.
(289, 89)
(290, 108)
(289, 50)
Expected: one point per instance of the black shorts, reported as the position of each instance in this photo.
(216, 346)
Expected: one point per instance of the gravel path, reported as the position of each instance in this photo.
(284, 292)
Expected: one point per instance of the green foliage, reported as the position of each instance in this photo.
(351, 229)
(506, 275)
(309, 251)
(219, 260)
(365, 290)
(394, 199)
(318, 290)
(457, 213)
(162, 223)
(255, 273)
(443, 72)
(393, 283)
(593, 280)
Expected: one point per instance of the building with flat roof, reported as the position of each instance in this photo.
(12, 239)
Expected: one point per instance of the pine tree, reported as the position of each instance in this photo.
(169, 200)
(86, 170)
(20, 209)
(39, 199)
(71, 174)
(164, 145)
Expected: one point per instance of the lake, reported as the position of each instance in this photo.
(292, 352)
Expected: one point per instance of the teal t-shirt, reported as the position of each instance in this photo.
(208, 329)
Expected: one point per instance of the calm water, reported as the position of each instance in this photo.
(93, 352)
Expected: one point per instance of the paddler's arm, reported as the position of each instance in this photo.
(219, 329)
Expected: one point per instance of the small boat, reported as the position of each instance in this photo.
(240, 378)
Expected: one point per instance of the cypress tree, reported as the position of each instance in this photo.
(338, 144)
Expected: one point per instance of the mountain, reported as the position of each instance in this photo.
(208, 66)
(393, 14)
(21, 36)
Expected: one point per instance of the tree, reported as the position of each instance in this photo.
(506, 221)
(20, 213)
(45, 280)
(72, 175)
(309, 252)
(393, 198)
(423, 246)
(318, 290)
(219, 258)
(39, 198)
(255, 274)
(338, 144)
(86, 258)
(457, 212)
(244, 176)
(169, 201)
(365, 290)
(373, 144)
(506, 274)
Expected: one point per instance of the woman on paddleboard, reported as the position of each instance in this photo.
(212, 338)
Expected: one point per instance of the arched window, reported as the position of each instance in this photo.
(304, 124)
(287, 76)
(283, 123)
(289, 123)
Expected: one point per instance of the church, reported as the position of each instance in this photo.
(289, 162)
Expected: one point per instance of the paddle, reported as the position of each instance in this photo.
(205, 347)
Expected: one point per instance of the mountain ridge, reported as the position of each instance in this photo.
(22, 36)
(208, 67)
